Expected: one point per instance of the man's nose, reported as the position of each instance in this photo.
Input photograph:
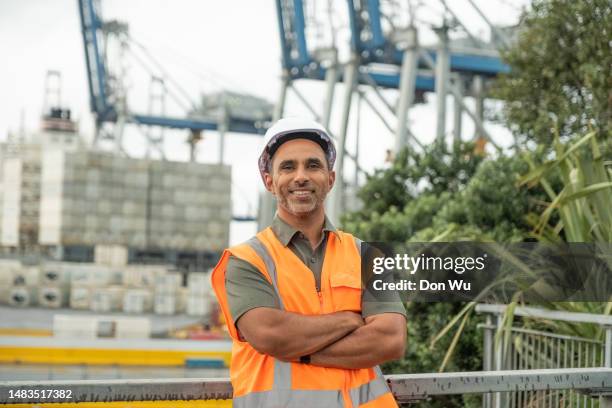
(301, 175)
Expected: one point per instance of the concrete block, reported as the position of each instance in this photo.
(132, 328)
(142, 276)
(168, 283)
(198, 284)
(80, 297)
(198, 306)
(108, 299)
(137, 301)
(111, 255)
(93, 275)
(165, 304)
(71, 327)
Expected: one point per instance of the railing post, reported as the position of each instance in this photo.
(499, 350)
(608, 347)
(487, 358)
(499, 359)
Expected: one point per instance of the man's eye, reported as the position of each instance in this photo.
(314, 165)
(286, 167)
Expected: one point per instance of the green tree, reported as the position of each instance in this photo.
(403, 199)
(443, 193)
(560, 81)
(446, 194)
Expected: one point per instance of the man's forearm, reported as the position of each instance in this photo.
(288, 336)
(367, 346)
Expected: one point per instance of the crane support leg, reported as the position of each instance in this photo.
(457, 113)
(406, 89)
(442, 74)
(336, 203)
(331, 76)
(267, 204)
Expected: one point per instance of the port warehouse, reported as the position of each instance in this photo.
(103, 248)
(111, 213)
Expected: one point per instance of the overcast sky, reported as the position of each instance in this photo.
(205, 46)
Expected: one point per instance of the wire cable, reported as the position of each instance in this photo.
(194, 67)
(165, 74)
(174, 97)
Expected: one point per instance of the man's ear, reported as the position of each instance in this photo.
(332, 179)
(268, 182)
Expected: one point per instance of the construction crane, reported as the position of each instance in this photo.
(108, 98)
(385, 52)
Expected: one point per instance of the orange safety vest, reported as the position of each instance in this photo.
(260, 380)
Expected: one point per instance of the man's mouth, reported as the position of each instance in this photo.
(301, 193)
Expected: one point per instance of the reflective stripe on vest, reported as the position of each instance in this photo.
(281, 394)
(370, 390)
(263, 253)
(290, 399)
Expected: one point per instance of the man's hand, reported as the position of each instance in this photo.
(288, 336)
(382, 338)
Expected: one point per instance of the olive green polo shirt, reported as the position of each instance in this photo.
(247, 288)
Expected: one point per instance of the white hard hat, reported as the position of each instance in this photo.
(295, 128)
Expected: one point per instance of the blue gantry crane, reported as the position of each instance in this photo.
(383, 56)
(106, 99)
(372, 46)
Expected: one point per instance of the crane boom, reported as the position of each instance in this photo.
(101, 94)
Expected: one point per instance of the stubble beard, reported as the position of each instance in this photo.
(302, 209)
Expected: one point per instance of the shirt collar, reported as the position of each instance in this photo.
(285, 232)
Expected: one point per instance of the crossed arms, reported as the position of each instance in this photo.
(340, 339)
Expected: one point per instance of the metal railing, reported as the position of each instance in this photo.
(534, 349)
(406, 388)
(531, 349)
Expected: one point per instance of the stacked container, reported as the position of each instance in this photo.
(90, 198)
(168, 294)
(85, 279)
(107, 299)
(95, 198)
(190, 205)
(111, 255)
(137, 301)
(140, 281)
(21, 197)
(199, 295)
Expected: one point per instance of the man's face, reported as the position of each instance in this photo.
(300, 178)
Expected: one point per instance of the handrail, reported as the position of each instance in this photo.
(405, 387)
(593, 381)
(605, 321)
(542, 333)
(524, 311)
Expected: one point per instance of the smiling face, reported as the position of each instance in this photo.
(299, 178)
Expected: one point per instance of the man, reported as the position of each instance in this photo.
(292, 295)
